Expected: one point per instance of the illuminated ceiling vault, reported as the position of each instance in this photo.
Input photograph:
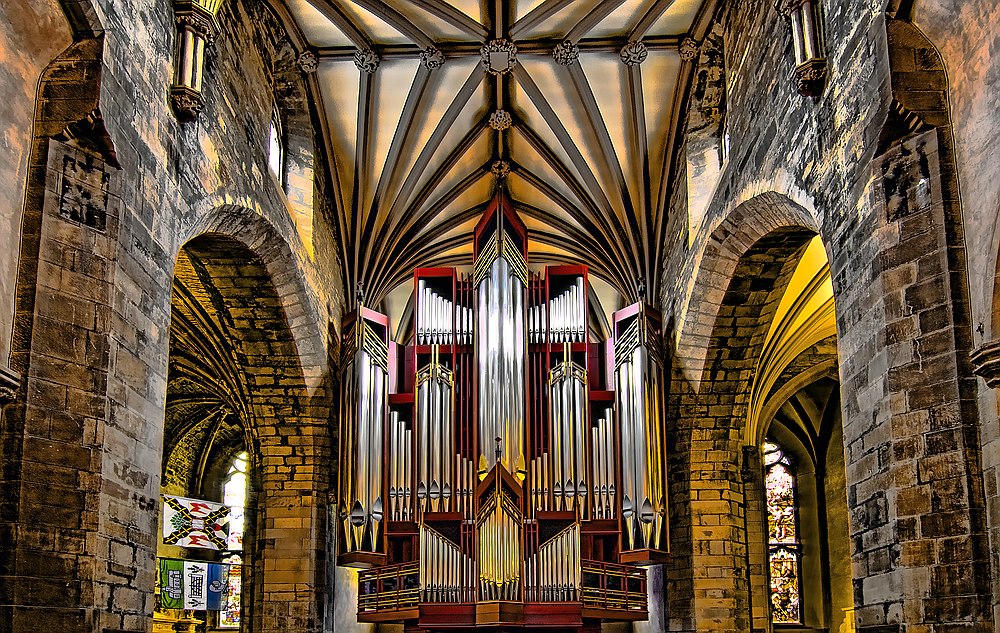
(424, 100)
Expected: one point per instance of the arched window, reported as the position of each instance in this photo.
(784, 548)
(234, 495)
(276, 148)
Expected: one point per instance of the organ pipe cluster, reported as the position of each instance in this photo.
(563, 319)
(363, 424)
(436, 448)
(501, 275)
(446, 572)
(637, 391)
(511, 443)
(553, 572)
(439, 320)
(399, 463)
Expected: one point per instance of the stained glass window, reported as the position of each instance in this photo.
(784, 549)
(234, 495)
(229, 617)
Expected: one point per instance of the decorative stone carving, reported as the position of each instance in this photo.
(366, 60)
(986, 363)
(308, 62)
(432, 58)
(786, 7)
(197, 26)
(186, 102)
(566, 52)
(500, 169)
(689, 49)
(501, 120)
(9, 381)
(83, 195)
(811, 76)
(499, 56)
(633, 53)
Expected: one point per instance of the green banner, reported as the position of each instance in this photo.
(171, 583)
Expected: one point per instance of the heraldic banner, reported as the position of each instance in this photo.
(193, 523)
(186, 584)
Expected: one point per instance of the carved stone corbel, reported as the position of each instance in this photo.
(986, 363)
(9, 382)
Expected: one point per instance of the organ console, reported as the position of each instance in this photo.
(504, 469)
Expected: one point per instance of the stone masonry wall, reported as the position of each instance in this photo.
(32, 32)
(93, 340)
(910, 430)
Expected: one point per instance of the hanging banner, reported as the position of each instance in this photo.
(193, 585)
(194, 523)
(218, 583)
(171, 583)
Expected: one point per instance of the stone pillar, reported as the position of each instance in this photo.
(912, 453)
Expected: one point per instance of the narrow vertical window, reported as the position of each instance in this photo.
(276, 149)
(234, 495)
(784, 548)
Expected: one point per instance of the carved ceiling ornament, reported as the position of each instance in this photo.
(500, 169)
(308, 62)
(689, 49)
(501, 120)
(634, 53)
(566, 52)
(366, 60)
(499, 56)
(432, 58)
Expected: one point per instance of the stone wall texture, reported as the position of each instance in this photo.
(103, 192)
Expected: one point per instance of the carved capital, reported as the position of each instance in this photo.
(811, 76)
(786, 7)
(187, 103)
(986, 363)
(199, 16)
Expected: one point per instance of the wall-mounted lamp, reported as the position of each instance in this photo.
(197, 26)
(810, 63)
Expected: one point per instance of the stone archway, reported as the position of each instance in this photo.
(237, 376)
(746, 267)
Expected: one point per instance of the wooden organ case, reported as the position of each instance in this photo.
(502, 471)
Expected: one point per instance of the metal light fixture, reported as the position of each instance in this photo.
(197, 26)
(810, 63)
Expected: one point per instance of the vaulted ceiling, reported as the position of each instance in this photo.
(426, 115)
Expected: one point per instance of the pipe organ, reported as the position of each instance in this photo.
(502, 468)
